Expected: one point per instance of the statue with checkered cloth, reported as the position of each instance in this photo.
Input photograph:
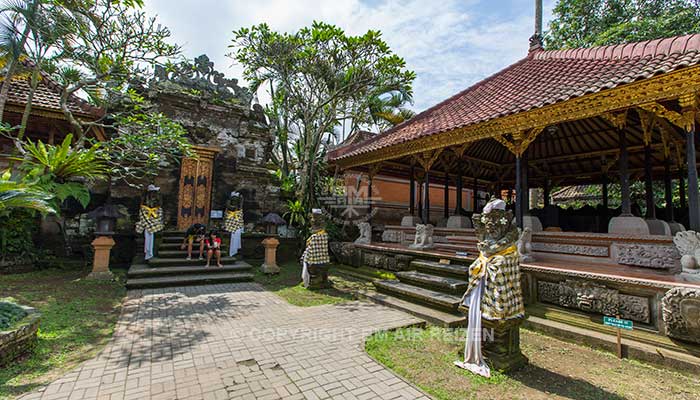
(315, 259)
(150, 218)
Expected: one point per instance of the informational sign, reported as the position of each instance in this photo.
(618, 323)
(216, 214)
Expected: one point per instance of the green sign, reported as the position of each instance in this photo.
(618, 323)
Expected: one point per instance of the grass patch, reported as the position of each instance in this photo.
(557, 369)
(287, 284)
(78, 319)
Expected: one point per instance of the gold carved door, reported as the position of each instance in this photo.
(194, 199)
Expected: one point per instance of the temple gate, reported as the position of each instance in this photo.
(194, 195)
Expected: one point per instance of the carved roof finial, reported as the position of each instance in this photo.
(536, 40)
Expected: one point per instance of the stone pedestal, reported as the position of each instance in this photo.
(676, 227)
(270, 265)
(501, 344)
(532, 222)
(318, 276)
(628, 225)
(459, 222)
(658, 227)
(410, 220)
(100, 264)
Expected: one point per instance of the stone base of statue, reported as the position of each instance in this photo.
(270, 265)
(459, 222)
(658, 227)
(100, 264)
(502, 344)
(318, 274)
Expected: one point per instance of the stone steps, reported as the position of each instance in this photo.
(431, 315)
(441, 283)
(181, 262)
(442, 301)
(188, 279)
(447, 270)
(143, 271)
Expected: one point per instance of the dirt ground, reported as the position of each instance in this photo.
(557, 370)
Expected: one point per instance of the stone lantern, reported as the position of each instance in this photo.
(271, 221)
(105, 219)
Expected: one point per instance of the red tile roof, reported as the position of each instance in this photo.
(542, 78)
(48, 96)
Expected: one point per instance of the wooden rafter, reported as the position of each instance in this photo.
(682, 120)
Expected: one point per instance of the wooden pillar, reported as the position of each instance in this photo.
(681, 188)
(668, 189)
(412, 192)
(649, 183)
(545, 189)
(605, 193)
(426, 202)
(369, 198)
(499, 189)
(458, 190)
(624, 175)
(447, 196)
(475, 189)
(510, 194)
(524, 181)
(518, 192)
(693, 201)
(420, 199)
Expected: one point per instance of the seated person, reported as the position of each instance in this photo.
(195, 232)
(213, 243)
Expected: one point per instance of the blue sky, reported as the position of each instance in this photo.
(451, 44)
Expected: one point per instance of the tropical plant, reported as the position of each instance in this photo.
(14, 195)
(585, 23)
(321, 78)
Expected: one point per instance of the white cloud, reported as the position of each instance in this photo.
(451, 44)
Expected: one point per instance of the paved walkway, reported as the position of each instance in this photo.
(236, 341)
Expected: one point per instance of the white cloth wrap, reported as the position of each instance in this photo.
(235, 244)
(147, 244)
(305, 274)
(473, 358)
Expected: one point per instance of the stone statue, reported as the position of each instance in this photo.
(681, 313)
(494, 292)
(525, 245)
(150, 218)
(315, 259)
(688, 244)
(365, 233)
(233, 221)
(423, 238)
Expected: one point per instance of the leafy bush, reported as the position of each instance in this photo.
(9, 314)
(17, 228)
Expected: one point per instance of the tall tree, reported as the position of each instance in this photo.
(324, 77)
(586, 23)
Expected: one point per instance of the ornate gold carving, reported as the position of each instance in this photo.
(521, 140)
(684, 121)
(659, 88)
(618, 120)
(646, 120)
(428, 158)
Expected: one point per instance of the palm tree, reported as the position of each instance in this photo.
(388, 109)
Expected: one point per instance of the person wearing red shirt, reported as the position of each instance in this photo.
(213, 243)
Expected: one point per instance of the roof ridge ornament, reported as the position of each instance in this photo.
(536, 40)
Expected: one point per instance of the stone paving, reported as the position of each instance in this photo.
(236, 341)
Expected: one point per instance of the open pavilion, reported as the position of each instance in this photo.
(585, 116)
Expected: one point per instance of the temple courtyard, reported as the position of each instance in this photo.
(273, 339)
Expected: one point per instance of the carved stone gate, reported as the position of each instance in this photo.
(194, 196)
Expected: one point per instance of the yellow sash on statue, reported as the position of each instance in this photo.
(322, 231)
(151, 212)
(483, 261)
(233, 214)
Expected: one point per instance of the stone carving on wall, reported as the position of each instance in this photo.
(688, 245)
(593, 298)
(681, 313)
(525, 246)
(658, 256)
(365, 233)
(423, 238)
(344, 253)
(379, 260)
(200, 75)
(574, 249)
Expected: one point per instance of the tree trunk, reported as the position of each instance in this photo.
(28, 107)
(11, 67)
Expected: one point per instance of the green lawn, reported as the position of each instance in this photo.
(287, 284)
(78, 319)
(557, 370)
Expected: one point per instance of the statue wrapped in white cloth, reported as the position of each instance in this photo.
(315, 260)
(233, 221)
(150, 219)
(494, 291)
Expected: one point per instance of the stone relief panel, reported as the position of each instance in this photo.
(586, 296)
(656, 256)
(577, 249)
(681, 314)
(391, 236)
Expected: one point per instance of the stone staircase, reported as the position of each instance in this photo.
(429, 290)
(170, 268)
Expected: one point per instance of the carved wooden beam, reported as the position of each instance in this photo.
(521, 140)
(682, 120)
(617, 120)
(374, 169)
(428, 158)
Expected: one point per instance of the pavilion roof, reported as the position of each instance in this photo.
(540, 79)
(47, 97)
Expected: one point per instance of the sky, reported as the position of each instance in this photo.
(450, 44)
